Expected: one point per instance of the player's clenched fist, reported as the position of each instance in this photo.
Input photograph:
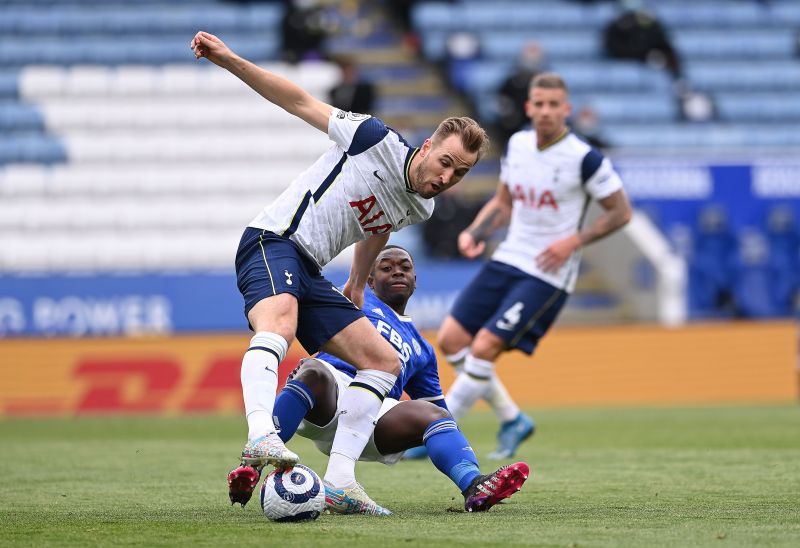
(209, 46)
(467, 245)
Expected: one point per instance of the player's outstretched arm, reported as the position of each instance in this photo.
(275, 89)
(364, 255)
(616, 215)
(495, 214)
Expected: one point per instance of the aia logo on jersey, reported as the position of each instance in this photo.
(530, 199)
(371, 218)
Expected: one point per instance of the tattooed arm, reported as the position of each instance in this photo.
(495, 214)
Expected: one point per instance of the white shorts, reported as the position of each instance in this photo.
(322, 436)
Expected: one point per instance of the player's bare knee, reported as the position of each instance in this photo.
(436, 413)
(314, 374)
(452, 338)
(446, 343)
(487, 345)
(427, 413)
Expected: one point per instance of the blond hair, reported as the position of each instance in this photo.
(473, 136)
(548, 80)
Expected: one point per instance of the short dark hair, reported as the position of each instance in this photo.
(392, 246)
(548, 80)
(473, 136)
(386, 247)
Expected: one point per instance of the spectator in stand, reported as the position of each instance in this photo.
(636, 34)
(513, 93)
(586, 125)
(303, 29)
(353, 93)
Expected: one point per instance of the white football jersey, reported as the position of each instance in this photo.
(550, 191)
(357, 189)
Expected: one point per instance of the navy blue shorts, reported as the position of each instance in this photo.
(268, 264)
(515, 306)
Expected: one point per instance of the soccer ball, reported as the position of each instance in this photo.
(293, 495)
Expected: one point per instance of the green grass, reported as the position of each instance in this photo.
(721, 476)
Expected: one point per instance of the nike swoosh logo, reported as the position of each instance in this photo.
(375, 173)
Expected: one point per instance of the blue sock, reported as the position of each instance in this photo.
(291, 405)
(450, 452)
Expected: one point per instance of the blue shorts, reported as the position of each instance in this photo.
(268, 264)
(515, 306)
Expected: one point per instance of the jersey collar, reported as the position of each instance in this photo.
(407, 167)
(554, 141)
(400, 317)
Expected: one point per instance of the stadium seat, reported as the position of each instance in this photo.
(505, 15)
(76, 18)
(627, 107)
(176, 145)
(41, 82)
(756, 107)
(33, 147)
(738, 44)
(675, 137)
(759, 290)
(736, 14)
(744, 75)
(712, 270)
(19, 117)
(152, 48)
(9, 84)
(507, 44)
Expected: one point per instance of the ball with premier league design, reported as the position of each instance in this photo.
(294, 494)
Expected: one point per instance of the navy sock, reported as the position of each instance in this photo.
(291, 405)
(450, 452)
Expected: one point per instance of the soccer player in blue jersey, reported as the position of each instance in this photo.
(548, 177)
(370, 182)
(309, 404)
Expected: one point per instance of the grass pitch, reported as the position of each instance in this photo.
(722, 476)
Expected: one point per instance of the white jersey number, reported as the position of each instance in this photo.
(511, 317)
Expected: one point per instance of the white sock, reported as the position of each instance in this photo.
(260, 381)
(457, 359)
(499, 399)
(357, 413)
(470, 385)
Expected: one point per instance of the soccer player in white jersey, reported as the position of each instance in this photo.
(547, 178)
(369, 183)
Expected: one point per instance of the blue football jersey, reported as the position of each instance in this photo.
(419, 375)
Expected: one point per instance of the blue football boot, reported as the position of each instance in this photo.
(511, 435)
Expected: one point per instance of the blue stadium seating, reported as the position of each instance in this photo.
(744, 75)
(630, 107)
(115, 18)
(757, 107)
(111, 50)
(506, 45)
(16, 117)
(667, 137)
(113, 32)
(9, 84)
(775, 43)
(32, 148)
(762, 289)
(743, 46)
(506, 15)
(735, 14)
